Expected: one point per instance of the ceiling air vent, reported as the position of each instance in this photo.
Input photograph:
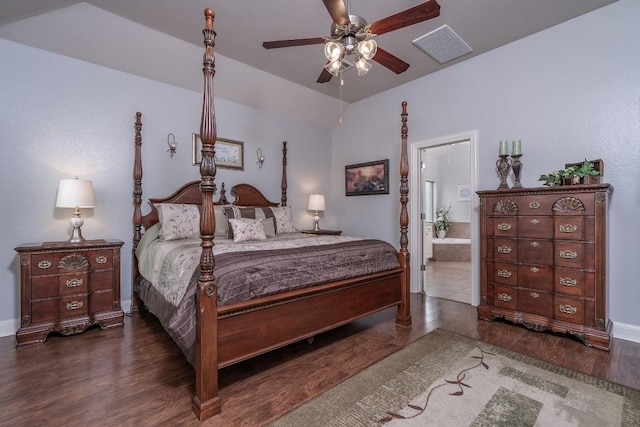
(442, 44)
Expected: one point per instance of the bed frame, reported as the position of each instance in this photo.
(232, 333)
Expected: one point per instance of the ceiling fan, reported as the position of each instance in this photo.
(350, 34)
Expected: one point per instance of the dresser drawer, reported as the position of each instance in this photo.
(506, 226)
(535, 251)
(505, 297)
(569, 309)
(569, 281)
(535, 302)
(505, 273)
(44, 287)
(535, 277)
(504, 250)
(46, 263)
(535, 205)
(44, 310)
(575, 255)
(540, 227)
(101, 280)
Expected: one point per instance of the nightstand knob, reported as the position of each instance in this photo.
(44, 264)
(74, 283)
(101, 259)
(74, 305)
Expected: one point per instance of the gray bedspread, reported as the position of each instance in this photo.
(243, 276)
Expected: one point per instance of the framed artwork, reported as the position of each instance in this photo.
(464, 193)
(229, 154)
(367, 178)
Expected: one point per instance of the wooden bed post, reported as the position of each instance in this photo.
(136, 302)
(404, 309)
(206, 401)
(283, 198)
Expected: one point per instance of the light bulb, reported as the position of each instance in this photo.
(368, 48)
(362, 66)
(333, 51)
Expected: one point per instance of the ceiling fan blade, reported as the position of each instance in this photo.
(324, 77)
(390, 61)
(295, 42)
(338, 11)
(422, 12)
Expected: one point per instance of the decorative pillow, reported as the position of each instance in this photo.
(247, 229)
(221, 221)
(284, 223)
(269, 227)
(178, 221)
(232, 212)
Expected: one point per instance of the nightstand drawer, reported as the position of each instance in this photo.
(75, 283)
(73, 306)
(505, 297)
(100, 260)
(569, 309)
(101, 301)
(46, 263)
(44, 287)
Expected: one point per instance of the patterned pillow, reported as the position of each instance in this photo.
(178, 221)
(232, 212)
(245, 229)
(284, 223)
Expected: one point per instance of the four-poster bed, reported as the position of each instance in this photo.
(224, 333)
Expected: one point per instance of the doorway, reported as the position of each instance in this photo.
(443, 172)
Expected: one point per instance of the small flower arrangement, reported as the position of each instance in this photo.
(572, 174)
(442, 219)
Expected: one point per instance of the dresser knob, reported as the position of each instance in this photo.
(44, 264)
(101, 259)
(568, 282)
(568, 309)
(74, 283)
(567, 228)
(504, 249)
(504, 273)
(568, 254)
(74, 305)
(503, 226)
(504, 297)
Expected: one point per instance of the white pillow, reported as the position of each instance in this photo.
(245, 229)
(269, 227)
(284, 223)
(178, 221)
(221, 221)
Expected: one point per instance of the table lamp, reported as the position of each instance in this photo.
(75, 193)
(316, 203)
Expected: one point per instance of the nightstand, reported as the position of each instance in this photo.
(323, 232)
(67, 287)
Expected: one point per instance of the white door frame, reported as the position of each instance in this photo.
(415, 238)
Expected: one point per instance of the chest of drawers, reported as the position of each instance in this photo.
(544, 258)
(67, 287)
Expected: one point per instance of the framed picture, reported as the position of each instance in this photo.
(229, 154)
(367, 178)
(464, 193)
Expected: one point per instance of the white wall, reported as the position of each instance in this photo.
(62, 117)
(570, 92)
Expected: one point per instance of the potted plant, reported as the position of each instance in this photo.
(573, 174)
(442, 223)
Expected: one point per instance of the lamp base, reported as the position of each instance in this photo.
(76, 223)
(316, 220)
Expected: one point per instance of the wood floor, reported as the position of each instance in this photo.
(136, 376)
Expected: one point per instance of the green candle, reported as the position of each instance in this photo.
(504, 149)
(516, 148)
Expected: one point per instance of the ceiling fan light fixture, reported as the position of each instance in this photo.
(333, 51)
(333, 67)
(368, 48)
(362, 66)
(349, 42)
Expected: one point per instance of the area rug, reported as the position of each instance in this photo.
(445, 379)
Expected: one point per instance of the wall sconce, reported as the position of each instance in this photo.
(173, 145)
(76, 194)
(260, 161)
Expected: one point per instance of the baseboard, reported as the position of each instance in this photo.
(625, 331)
(9, 327)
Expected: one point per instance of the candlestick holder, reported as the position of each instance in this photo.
(516, 166)
(503, 164)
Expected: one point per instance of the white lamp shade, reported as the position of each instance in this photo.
(368, 48)
(362, 66)
(333, 51)
(316, 202)
(75, 193)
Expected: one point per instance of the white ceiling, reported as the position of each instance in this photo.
(242, 26)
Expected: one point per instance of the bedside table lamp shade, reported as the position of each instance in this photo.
(76, 194)
(316, 203)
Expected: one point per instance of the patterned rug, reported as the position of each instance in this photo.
(445, 379)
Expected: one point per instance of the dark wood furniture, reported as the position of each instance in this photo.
(323, 232)
(232, 333)
(544, 259)
(67, 287)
